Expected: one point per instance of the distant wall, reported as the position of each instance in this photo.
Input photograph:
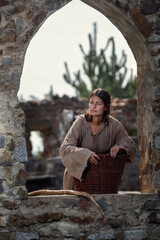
(54, 118)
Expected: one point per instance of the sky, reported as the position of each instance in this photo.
(58, 41)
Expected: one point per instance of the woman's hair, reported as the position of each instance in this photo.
(106, 98)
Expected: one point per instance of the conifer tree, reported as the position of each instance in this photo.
(101, 71)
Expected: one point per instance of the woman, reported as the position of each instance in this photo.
(93, 133)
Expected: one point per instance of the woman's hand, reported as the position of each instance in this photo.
(93, 158)
(114, 150)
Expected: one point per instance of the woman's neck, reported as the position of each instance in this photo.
(96, 121)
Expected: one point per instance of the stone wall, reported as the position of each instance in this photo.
(130, 217)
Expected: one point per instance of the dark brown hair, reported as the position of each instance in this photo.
(106, 98)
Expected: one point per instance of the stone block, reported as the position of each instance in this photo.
(155, 52)
(27, 235)
(84, 204)
(102, 203)
(135, 234)
(157, 142)
(18, 221)
(7, 185)
(1, 187)
(70, 203)
(20, 8)
(152, 218)
(148, 7)
(7, 235)
(154, 37)
(131, 219)
(141, 22)
(2, 141)
(153, 204)
(102, 236)
(11, 145)
(10, 204)
(49, 231)
(157, 179)
(20, 25)
(20, 178)
(68, 228)
(122, 4)
(39, 18)
(115, 221)
(20, 152)
(10, 49)
(29, 14)
(6, 158)
(7, 61)
(81, 220)
(6, 172)
(49, 217)
(3, 220)
(20, 192)
(3, 2)
(8, 37)
(155, 233)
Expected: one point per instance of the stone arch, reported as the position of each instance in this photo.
(136, 29)
(20, 21)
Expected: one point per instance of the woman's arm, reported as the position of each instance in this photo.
(73, 157)
(123, 141)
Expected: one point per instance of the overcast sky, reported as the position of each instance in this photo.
(58, 41)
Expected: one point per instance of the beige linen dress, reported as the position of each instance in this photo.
(79, 144)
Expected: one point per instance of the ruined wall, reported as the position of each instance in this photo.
(54, 118)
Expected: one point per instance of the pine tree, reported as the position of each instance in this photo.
(101, 72)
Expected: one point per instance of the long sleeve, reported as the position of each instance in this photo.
(124, 141)
(73, 157)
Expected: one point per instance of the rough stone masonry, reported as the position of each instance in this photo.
(138, 21)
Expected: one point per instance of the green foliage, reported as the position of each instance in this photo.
(50, 94)
(101, 72)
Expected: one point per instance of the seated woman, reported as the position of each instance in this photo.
(93, 133)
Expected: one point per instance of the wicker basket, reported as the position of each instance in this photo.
(103, 178)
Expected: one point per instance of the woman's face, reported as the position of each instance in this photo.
(96, 106)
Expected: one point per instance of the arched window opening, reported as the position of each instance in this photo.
(56, 42)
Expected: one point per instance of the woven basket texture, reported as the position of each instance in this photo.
(103, 178)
